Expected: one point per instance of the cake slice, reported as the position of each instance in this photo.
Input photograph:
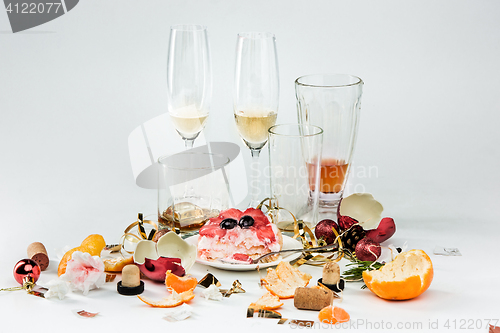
(239, 236)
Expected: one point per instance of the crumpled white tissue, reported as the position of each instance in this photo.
(84, 272)
(57, 288)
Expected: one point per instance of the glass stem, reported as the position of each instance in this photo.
(189, 143)
(254, 180)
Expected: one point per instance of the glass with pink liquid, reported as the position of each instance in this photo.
(333, 102)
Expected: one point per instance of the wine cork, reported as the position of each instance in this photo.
(331, 273)
(131, 276)
(37, 252)
(312, 298)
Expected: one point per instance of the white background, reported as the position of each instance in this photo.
(72, 90)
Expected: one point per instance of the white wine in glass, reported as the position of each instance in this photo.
(253, 126)
(256, 95)
(189, 80)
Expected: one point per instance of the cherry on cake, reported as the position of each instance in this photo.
(239, 236)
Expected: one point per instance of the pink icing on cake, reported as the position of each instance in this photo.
(238, 243)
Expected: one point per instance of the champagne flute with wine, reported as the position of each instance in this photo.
(189, 80)
(256, 95)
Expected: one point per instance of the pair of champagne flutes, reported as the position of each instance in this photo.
(256, 88)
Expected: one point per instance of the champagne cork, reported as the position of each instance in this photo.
(131, 276)
(37, 252)
(131, 283)
(312, 298)
(331, 273)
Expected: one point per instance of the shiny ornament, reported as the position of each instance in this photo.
(26, 268)
(324, 230)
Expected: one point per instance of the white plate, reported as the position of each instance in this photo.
(288, 243)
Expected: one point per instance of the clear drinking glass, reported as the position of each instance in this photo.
(256, 95)
(189, 80)
(333, 102)
(293, 151)
(193, 187)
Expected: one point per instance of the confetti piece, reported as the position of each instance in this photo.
(86, 314)
(447, 251)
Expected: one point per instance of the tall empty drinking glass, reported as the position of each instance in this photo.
(332, 101)
(293, 149)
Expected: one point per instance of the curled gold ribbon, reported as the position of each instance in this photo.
(141, 232)
(300, 229)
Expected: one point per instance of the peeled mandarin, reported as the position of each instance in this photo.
(406, 277)
(93, 245)
(180, 284)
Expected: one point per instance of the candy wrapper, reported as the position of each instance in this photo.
(235, 289)
(296, 322)
(261, 313)
(208, 280)
(212, 293)
(181, 313)
(84, 272)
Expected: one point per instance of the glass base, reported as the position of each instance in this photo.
(330, 200)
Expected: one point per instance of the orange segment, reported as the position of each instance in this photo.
(283, 280)
(180, 284)
(171, 301)
(406, 277)
(117, 264)
(93, 244)
(292, 275)
(333, 314)
(267, 302)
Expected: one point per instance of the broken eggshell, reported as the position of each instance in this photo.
(359, 208)
(171, 252)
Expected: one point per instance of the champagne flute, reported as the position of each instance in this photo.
(189, 80)
(256, 95)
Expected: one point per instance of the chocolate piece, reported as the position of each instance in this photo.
(312, 298)
(38, 253)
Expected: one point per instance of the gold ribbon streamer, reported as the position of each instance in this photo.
(28, 285)
(141, 232)
(300, 229)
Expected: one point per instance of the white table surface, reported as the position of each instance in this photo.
(73, 89)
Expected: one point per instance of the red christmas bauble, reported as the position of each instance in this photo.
(24, 268)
